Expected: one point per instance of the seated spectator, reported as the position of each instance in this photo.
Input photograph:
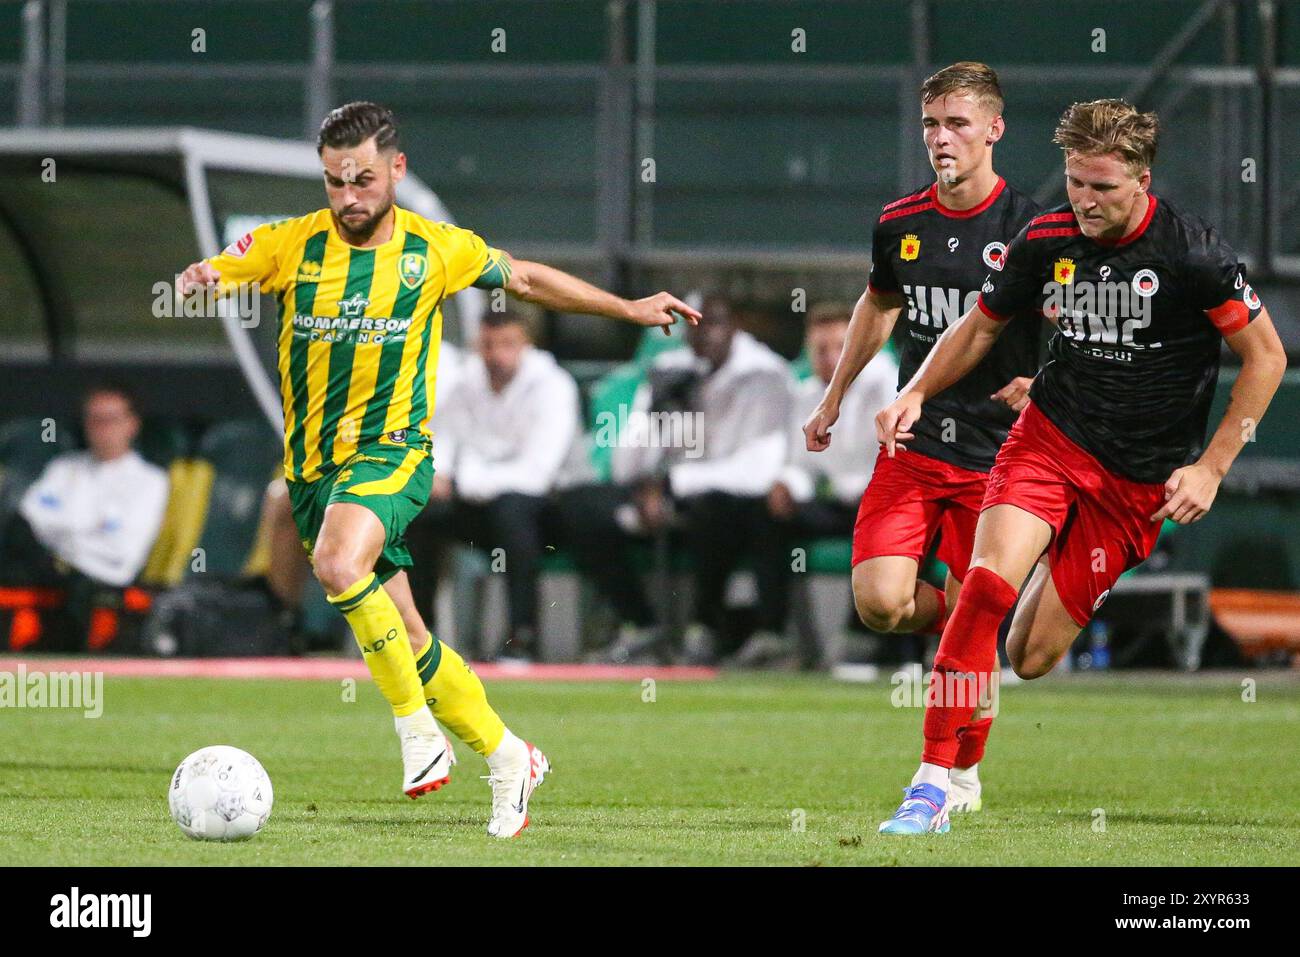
(817, 493)
(90, 518)
(501, 437)
(706, 438)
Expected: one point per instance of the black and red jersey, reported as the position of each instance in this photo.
(937, 259)
(1135, 358)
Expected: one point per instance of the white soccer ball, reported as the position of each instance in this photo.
(220, 793)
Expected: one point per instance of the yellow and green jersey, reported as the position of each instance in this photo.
(359, 327)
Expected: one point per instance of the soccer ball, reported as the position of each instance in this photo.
(220, 794)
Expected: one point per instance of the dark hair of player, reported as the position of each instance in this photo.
(829, 313)
(353, 123)
(1110, 126)
(967, 76)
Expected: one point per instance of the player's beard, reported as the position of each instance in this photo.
(362, 233)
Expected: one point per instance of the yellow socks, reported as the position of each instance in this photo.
(437, 676)
(457, 698)
(379, 631)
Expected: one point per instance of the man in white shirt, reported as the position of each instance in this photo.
(816, 495)
(91, 517)
(501, 436)
(99, 511)
(704, 440)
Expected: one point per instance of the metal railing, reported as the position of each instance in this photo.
(627, 116)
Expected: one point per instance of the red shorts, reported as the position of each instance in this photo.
(908, 499)
(1101, 522)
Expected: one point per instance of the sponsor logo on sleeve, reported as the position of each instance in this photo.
(1249, 297)
(240, 246)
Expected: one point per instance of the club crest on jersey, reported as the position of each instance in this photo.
(308, 272)
(909, 248)
(353, 307)
(1250, 298)
(239, 246)
(1145, 283)
(412, 267)
(1063, 271)
(994, 253)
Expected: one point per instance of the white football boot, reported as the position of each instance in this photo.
(964, 790)
(515, 775)
(427, 756)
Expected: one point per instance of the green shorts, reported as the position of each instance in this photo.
(393, 481)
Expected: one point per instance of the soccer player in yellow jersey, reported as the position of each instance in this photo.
(360, 286)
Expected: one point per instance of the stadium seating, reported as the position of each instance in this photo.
(24, 452)
(731, 152)
(242, 456)
(213, 505)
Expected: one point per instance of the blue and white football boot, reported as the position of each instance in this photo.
(924, 810)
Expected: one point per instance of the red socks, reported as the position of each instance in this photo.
(964, 668)
(972, 738)
(940, 619)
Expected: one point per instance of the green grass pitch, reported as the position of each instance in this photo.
(1184, 772)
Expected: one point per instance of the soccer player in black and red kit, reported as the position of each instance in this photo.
(930, 253)
(1113, 439)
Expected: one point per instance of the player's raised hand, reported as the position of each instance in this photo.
(894, 421)
(196, 276)
(663, 309)
(817, 430)
(1189, 493)
(1015, 393)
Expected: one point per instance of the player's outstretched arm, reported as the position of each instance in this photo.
(553, 289)
(959, 349)
(872, 321)
(1190, 490)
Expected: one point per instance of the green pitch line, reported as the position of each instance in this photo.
(1182, 772)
